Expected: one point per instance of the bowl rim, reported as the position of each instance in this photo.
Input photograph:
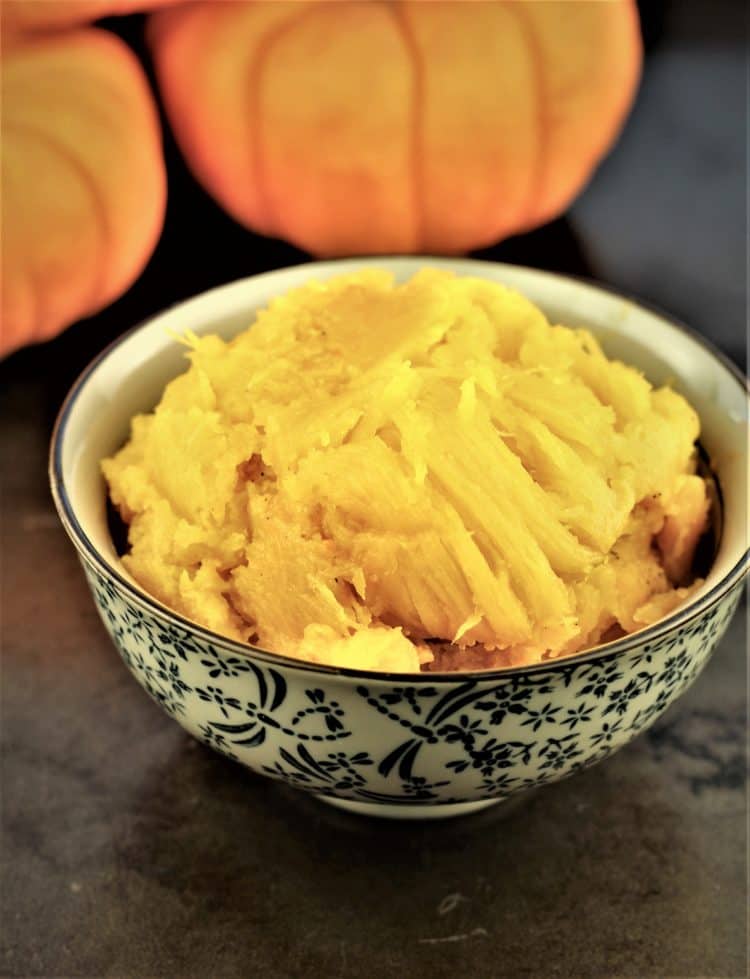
(87, 549)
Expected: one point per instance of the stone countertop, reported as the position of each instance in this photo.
(128, 849)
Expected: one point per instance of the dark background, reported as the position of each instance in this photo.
(130, 850)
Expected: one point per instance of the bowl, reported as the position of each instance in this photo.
(402, 745)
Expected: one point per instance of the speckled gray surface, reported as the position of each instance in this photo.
(129, 850)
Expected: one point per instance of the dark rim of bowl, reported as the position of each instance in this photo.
(141, 597)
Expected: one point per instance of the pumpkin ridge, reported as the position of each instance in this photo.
(101, 45)
(416, 134)
(270, 221)
(104, 231)
(542, 120)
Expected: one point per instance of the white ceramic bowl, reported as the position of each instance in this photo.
(403, 745)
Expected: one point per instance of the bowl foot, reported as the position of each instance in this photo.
(416, 811)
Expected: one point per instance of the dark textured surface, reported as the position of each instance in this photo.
(130, 850)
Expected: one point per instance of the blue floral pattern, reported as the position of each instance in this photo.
(453, 740)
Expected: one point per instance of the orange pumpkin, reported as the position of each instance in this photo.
(361, 126)
(82, 176)
(31, 15)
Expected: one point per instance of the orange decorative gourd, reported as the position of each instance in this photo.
(32, 15)
(362, 126)
(83, 182)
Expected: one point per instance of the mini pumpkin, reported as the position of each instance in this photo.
(83, 180)
(360, 126)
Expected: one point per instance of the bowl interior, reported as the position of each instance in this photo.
(130, 376)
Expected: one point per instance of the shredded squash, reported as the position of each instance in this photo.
(370, 468)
